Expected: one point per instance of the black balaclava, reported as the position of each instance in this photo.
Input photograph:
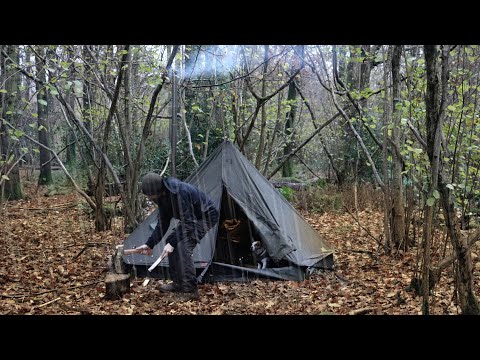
(152, 184)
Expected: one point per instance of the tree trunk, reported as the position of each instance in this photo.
(276, 129)
(398, 209)
(13, 187)
(261, 142)
(433, 122)
(70, 142)
(387, 230)
(45, 176)
(101, 220)
(287, 169)
(435, 100)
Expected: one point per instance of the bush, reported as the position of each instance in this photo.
(287, 193)
(319, 198)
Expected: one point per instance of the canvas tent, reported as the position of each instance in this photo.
(250, 209)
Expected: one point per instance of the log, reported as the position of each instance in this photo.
(116, 285)
(294, 185)
(291, 185)
(119, 265)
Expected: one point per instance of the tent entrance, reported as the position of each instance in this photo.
(233, 259)
(236, 233)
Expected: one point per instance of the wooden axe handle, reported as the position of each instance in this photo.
(131, 251)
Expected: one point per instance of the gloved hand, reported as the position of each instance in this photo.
(167, 250)
(144, 250)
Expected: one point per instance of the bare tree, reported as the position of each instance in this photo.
(12, 189)
(45, 176)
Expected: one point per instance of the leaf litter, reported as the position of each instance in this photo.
(53, 262)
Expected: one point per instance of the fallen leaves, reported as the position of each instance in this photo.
(40, 274)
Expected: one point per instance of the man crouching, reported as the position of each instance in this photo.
(197, 214)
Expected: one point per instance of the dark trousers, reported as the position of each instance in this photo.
(189, 234)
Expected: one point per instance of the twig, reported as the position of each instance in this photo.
(90, 244)
(361, 311)
(66, 247)
(81, 252)
(87, 245)
(54, 207)
(358, 222)
(82, 311)
(49, 291)
(341, 279)
(45, 304)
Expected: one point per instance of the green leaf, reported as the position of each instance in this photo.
(36, 151)
(53, 91)
(35, 115)
(18, 133)
(450, 186)
(5, 177)
(451, 107)
(430, 201)
(436, 194)
(42, 102)
(41, 128)
(8, 112)
(3, 91)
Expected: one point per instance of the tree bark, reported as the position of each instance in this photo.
(101, 218)
(116, 285)
(435, 101)
(398, 214)
(287, 169)
(45, 176)
(263, 124)
(13, 186)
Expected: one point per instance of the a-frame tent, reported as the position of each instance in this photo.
(241, 192)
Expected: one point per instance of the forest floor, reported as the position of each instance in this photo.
(53, 262)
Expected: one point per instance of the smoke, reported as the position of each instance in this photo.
(209, 61)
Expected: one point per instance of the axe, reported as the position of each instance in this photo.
(120, 251)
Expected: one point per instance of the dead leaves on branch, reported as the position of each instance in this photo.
(53, 262)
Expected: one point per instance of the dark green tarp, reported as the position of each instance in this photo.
(286, 235)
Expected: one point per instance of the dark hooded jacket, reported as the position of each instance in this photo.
(184, 202)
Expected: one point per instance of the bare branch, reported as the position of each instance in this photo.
(80, 191)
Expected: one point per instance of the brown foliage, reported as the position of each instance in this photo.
(54, 263)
